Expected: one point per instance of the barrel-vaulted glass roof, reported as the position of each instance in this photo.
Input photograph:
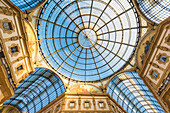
(155, 10)
(132, 94)
(26, 4)
(87, 40)
(36, 91)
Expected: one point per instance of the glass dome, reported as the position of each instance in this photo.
(155, 10)
(87, 40)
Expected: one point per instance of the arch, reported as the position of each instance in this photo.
(26, 4)
(36, 91)
(132, 94)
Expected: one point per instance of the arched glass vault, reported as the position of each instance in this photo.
(132, 94)
(155, 10)
(88, 40)
(36, 91)
(26, 4)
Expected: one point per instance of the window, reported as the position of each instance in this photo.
(154, 74)
(19, 67)
(87, 105)
(101, 104)
(72, 104)
(163, 58)
(57, 109)
(168, 40)
(14, 49)
(2, 55)
(7, 26)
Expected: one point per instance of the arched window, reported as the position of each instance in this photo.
(36, 91)
(26, 4)
(155, 10)
(131, 93)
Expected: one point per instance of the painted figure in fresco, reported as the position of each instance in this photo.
(146, 48)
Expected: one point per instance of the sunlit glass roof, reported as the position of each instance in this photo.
(87, 40)
(36, 91)
(132, 94)
(26, 4)
(155, 10)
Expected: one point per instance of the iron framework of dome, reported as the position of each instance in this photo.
(155, 10)
(88, 40)
(36, 91)
(130, 92)
(26, 4)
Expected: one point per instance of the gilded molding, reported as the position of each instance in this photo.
(18, 59)
(6, 11)
(167, 39)
(14, 38)
(2, 27)
(163, 48)
(10, 52)
(158, 58)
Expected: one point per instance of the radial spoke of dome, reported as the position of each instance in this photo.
(53, 23)
(117, 42)
(122, 30)
(115, 54)
(68, 57)
(104, 59)
(96, 66)
(80, 12)
(101, 14)
(67, 14)
(85, 64)
(58, 50)
(91, 8)
(75, 65)
(114, 18)
(55, 38)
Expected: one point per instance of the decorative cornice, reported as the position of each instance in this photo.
(6, 11)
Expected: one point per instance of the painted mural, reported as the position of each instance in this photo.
(85, 89)
(144, 47)
(31, 40)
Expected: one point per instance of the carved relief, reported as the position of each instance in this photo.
(18, 59)
(163, 48)
(14, 38)
(6, 11)
(5, 20)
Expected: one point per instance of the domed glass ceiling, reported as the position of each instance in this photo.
(87, 40)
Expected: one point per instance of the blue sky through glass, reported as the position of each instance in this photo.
(36, 91)
(88, 40)
(131, 93)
